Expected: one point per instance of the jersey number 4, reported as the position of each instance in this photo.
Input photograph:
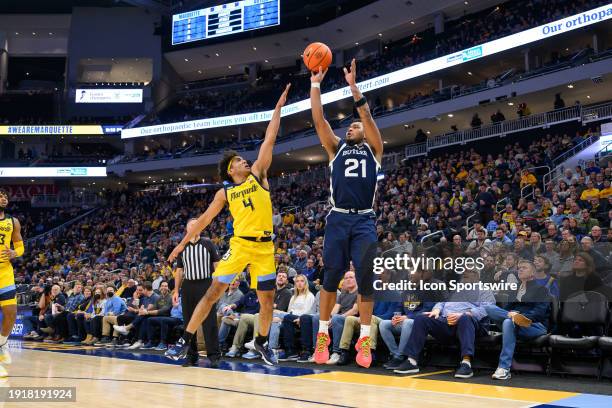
(248, 203)
(351, 168)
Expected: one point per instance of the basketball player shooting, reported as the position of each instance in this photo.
(350, 230)
(10, 231)
(246, 191)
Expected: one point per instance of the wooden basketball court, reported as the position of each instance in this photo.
(103, 377)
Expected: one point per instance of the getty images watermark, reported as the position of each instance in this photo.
(410, 265)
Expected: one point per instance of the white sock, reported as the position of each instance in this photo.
(323, 326)
(365, 331)
(466, 361)
(3, 340)
(412, 361)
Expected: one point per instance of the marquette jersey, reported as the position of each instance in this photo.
(354, 172)
(251, 206)
(6, 232)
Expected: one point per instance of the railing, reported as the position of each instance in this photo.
(414, 150)
(503, 128)
(595, 113)
(467, 221)
(428, 236)
(391, 160)
(57, 230)
(292, 208)
(540, 167)
(558, 161)
(530, 194)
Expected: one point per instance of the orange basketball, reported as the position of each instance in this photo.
(317, 55)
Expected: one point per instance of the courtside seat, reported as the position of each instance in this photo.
(584, 343)
(541, 341)
(490, 340)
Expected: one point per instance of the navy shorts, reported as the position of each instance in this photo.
(349, 237)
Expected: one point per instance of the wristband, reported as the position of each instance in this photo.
(315, 85)
(361, 102)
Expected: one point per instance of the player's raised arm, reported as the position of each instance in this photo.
(326, 135)
(371, 132)
(264, 158)
(202, 222)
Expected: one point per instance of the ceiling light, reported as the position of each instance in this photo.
(469, 72)
(510, 103)
(450, 115)
(16, 33)
(216, 54)
(33, 33)
(380, 34)
(588, 96)
(466, 2)
(428, 132)
(229, 67)
(199, 71)
(266, 61)
(310, 158)
(50, 33)
(412, 22)
(254, 48)
(288, 154)
(186, 59)
(385, 142)
(356, 43)
(571, 86)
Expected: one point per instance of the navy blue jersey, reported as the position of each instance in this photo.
(354, 172)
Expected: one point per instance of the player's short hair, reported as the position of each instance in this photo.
(4, 192)
(228, 156)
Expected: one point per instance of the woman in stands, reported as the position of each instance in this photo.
(93, 309)
(302, 302)
(76, 331)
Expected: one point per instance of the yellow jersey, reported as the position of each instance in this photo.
(6, 233)
(251, 207)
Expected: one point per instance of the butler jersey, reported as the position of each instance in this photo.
(354, 172)
(251, 207)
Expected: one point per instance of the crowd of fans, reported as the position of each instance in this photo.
(105, 282)
(470, 30)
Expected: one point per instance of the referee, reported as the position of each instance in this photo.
(194, 271)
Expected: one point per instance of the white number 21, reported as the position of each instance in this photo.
(351, 168)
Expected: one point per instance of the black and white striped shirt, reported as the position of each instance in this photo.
(197, 259)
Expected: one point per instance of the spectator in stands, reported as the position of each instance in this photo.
(414, 303)
(346, 305)
(113, 307)
(542, 275)
(485, 201)
(87, 319)
(476, 122)
(582, 277)
(523, 110)
(596, 235)
(166, 325)
(462, 318)
(559, 103)
(146, 303)
(497, 117)
(525, 316)
(76, 334)
(479, 243)
(301, 303)
(589, 192)
(244, 310)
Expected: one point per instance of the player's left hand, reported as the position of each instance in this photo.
(176, 252)
(283, 98)
(350, 75)
(6, 253)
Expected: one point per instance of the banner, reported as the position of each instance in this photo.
(53, 172)
(25, 192)
(108, 96)
(60, 130)
(493, 47)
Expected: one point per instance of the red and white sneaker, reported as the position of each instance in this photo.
(364, 354)
(321, 354)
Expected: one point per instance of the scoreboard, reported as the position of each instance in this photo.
(225, 19)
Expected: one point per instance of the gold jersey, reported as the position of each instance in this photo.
(251, 207)
(6, 233)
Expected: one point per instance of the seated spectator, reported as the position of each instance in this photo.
(75, 331)
(582, 277)
(242, 313)
(501, 238)
(542, 275)
(525, 316)
(586, 222)
(527, 179)
(596, 235)
(302, 303)
(589, 192)
(86, 321)
(477, 245)
(56, 316)
(476, 122)
(461, 318)
(146, 304)
(166, 324)
(414, 303)
(346, 305)
(113, 307)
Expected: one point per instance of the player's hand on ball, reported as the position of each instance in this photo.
(283, 98)
(350, 76)
(317, 76)
(176, 252)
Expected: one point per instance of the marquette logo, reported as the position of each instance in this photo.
(472, 53)
(243, 193)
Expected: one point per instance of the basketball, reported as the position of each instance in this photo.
(317, 55)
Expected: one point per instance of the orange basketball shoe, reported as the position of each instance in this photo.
(321, 354)
(364, 354)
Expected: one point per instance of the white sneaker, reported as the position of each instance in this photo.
(138, 344)
(121, 329)
(333, 360)
(3, 372)
(5, 356)
(250, 345)
(251, 355)
(311, 359)
(501, 374)
(233, 352)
